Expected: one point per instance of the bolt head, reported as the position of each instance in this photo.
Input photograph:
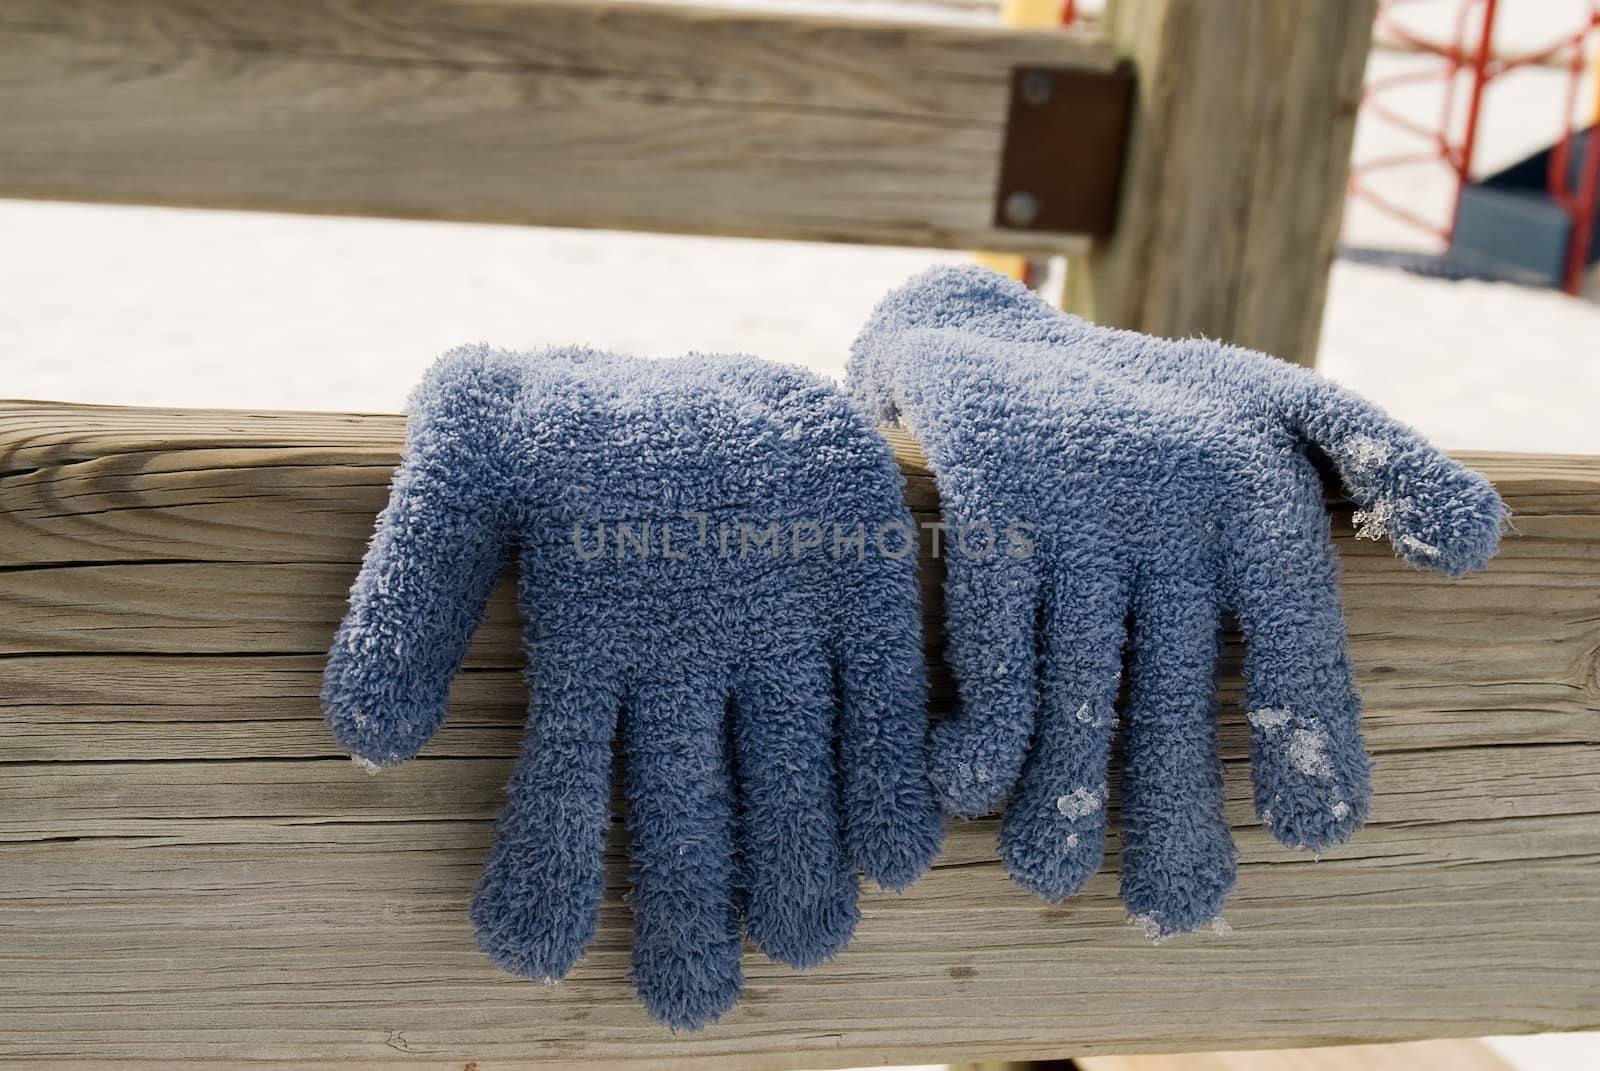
(1037, 87)
(1021, 208)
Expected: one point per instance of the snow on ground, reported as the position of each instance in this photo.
(1482, 366)
(173, 307)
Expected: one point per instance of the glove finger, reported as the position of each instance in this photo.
(538, 899)
(1053, 835)
(681, 816)
(991, 625)
(800, 891)
(1437, 513)
(1312, 776)
(420, 595)
(1177, 852)
(893, 827)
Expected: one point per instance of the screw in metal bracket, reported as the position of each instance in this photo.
(1021, 208)
(1037, 88)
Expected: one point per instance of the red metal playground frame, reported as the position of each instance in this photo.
(1482, 65)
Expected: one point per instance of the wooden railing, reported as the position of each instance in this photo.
(563, 113)
(194, 874)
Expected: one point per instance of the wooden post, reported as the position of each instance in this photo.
(1236, 171)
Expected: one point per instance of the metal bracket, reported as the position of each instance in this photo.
(1066, 136)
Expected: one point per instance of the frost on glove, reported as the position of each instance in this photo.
(1164, 483)
(693, 585)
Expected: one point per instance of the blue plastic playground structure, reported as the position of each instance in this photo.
(1510, 227)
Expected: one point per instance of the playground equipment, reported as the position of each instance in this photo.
(195, 877)
(1533, 222)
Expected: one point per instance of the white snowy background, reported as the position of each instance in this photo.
(174, 307)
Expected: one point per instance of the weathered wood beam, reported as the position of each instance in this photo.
(1235, 177)
(195, 876)
(558, 112)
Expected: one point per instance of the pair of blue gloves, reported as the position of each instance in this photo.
(715, 571)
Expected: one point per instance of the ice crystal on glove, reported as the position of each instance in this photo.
(770, 706)
(1163, 484)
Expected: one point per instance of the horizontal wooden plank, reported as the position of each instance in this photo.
(556, 112)
(1526, 782)
(195, 873)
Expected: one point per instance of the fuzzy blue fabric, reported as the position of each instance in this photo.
(700, 574)
(1152, 486)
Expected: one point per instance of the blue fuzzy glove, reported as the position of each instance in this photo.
(768, 683)
(1148, 485)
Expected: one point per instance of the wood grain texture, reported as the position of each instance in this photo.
(1236, 169)
(556, 112)
(194, 876)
